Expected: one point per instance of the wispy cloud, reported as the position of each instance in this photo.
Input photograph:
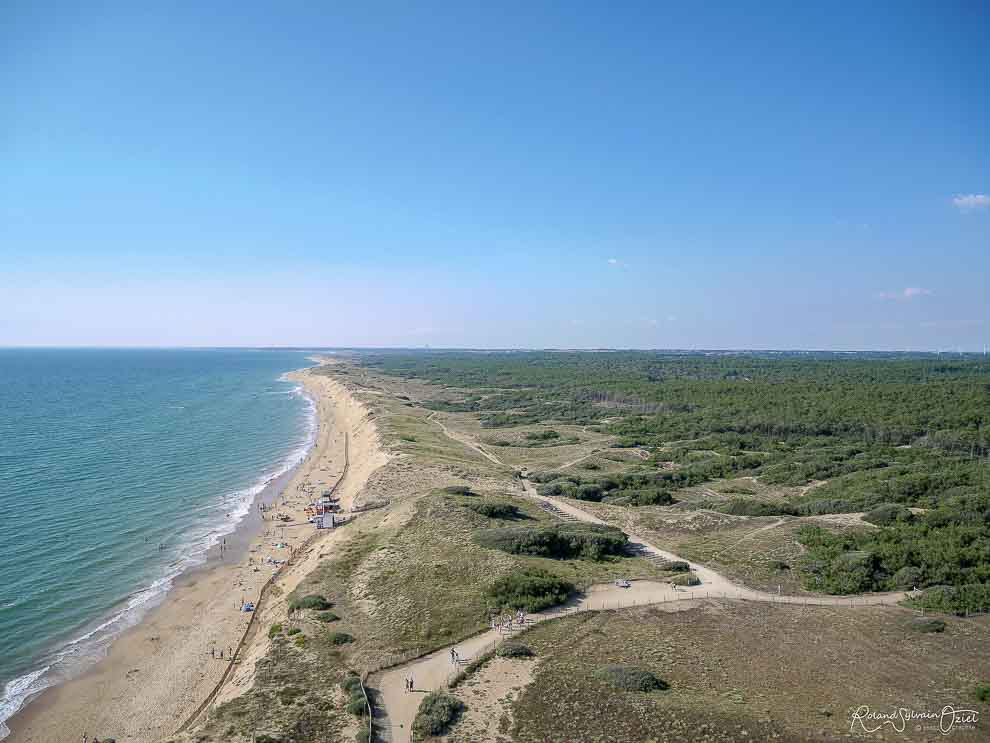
(907, 294)
(968, 202)
(617, 263)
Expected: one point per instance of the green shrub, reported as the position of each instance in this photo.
(326, 617)
(459, 490)
(532, 590)
(362, 736)
(357, 706)
(561, 541)
(339, 638)
(351, 684)
(887, 513)
(289, 695)
(907, 577)
(514, 650)
(274, 630)
(589, 492)
(548, 435)
(981, 693)
(494, 510)
(677, 566)
(293, 631)
(437, 712)
(628, 678)
(686, 579)
(312, 601)
(973, 598)
(927, 624)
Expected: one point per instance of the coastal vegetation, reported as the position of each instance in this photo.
(437, 712)
(903, 440)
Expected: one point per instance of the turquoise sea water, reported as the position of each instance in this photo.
(104, 455)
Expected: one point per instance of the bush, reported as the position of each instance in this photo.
(494, 510)
(356, 706)
(548, 435)
(973, 598)
(293, 631)
(907, 577)
(514, 650)
(686, 579)
(532, 590)
(275, 629)
(927, 624)
(339, 638)
(981, 693)
(362, 736)
(312, 601)
(589, 492)
(677, 566)
(887, 513)
(458, 490)
(351, 684)
(561, 541)
(628, 678)
(289, 695)
(437, 712)
(326, 617)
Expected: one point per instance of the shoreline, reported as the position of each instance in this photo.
(157, 672)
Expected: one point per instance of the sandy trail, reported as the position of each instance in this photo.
(433, 671)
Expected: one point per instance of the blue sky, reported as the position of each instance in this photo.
(686, 175)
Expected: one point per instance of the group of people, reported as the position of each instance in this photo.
(409, 684)
(454, 657)
(230, 653)
(506, 623)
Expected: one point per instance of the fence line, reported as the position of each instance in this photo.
(257, 609)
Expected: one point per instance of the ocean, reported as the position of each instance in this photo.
(119, 469)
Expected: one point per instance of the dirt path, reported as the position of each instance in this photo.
(433, 671)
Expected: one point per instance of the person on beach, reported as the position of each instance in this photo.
(411, 687)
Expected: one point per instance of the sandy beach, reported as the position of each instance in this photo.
(157, 675)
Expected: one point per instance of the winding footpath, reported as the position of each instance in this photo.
(398, 707)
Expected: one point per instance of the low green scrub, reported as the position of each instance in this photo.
(981, 693)
(963, 600)
(356, 702)
(677, 566)
(514, 650)
(312, 601)
(458, 490)
(548, 435)
(887, 513)
(927, 624)
(437, 712)
(629, 678)
(560, 541)
(274, 630)
(495, 509)
(686, 579)
(532, 590)
(326, 617)
(339, 638)
(289, 695)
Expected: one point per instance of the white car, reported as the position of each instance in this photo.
(623, 583)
